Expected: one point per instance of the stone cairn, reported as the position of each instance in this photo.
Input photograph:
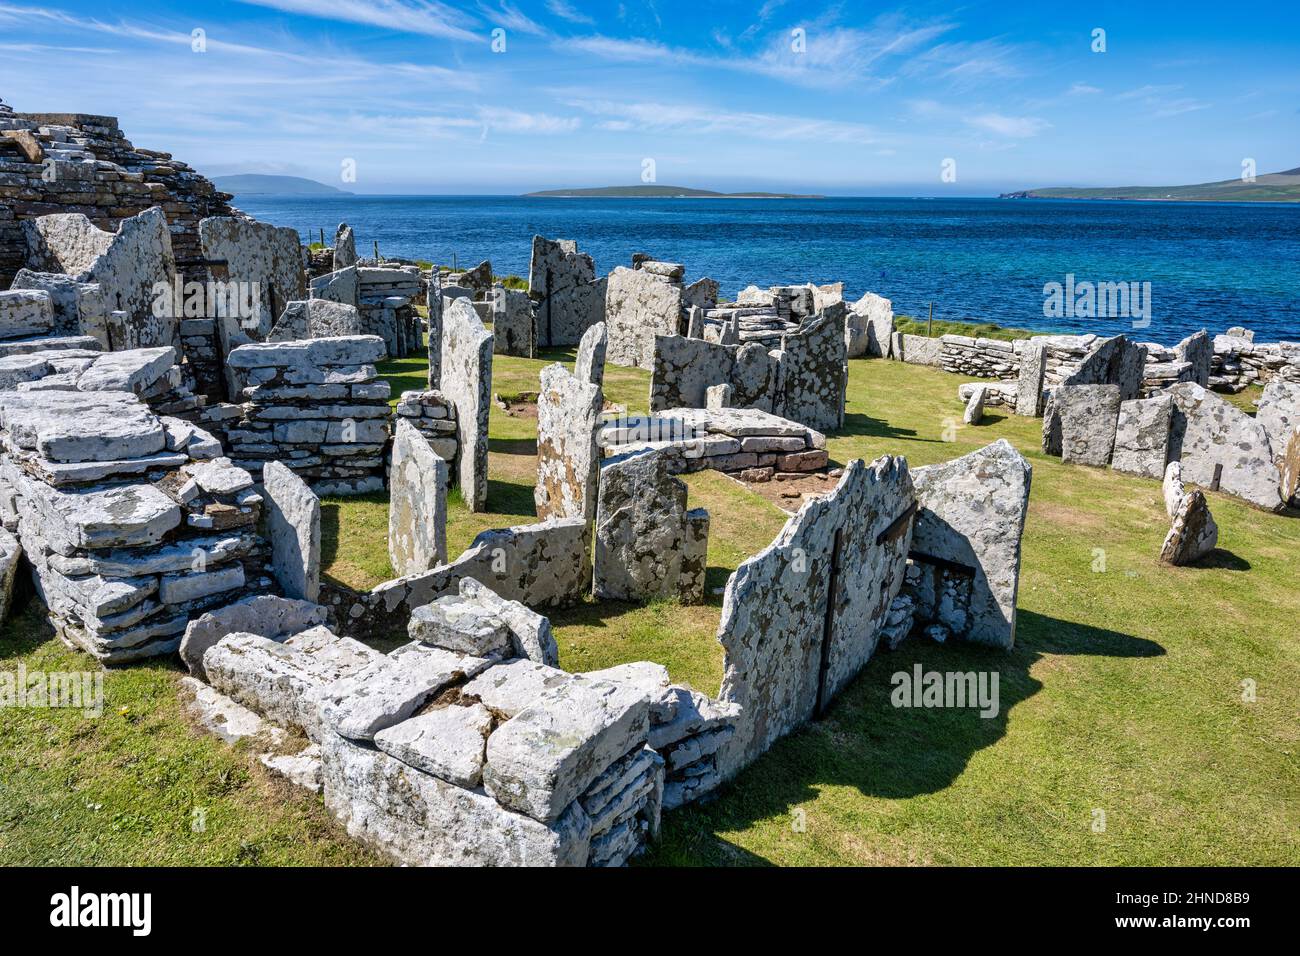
(318, 406)
(132, 522)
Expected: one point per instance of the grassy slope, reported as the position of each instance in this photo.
(1123, 693)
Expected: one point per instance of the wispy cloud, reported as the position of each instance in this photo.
(408, 16)
(567, 11)
(1082, 89)
(512, 18)
(706, 120)
(1015, 127)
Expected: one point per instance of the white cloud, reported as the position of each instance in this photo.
(512, 18)
(703, 120)
(1017, 127)
(408, 16)
(1082, 89)
(566, 11)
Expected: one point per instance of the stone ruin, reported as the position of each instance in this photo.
(640, 304)
(567, 297)
(76, 163)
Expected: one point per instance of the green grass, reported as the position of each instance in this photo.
(942, 327)
(1123, 693)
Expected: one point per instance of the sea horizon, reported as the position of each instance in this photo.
(977, 259)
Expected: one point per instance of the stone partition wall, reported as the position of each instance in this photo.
(639, 305)
(569, 298)
(317, 406)
(266, 263)
(568, 448)
(800, 618)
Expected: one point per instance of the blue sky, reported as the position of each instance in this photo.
(841, 98)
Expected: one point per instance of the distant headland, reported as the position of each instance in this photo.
(258, 184)
(1270, 187)
(657, 192)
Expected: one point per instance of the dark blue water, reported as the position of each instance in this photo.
(986, 260)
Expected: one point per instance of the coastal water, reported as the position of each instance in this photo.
(1209, 265)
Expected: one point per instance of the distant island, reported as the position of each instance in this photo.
(257, 184)
(656, 192)
(1270, 187)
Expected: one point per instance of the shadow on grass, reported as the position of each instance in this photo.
(858, 425)
(865, 742)
(1222, 559)
(510, 498)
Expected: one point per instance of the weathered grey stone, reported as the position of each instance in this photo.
(116, 516)
(264, 614)
(448, 742)
(78, 307)
(71, 426)
(1033, 369)
(1279, 413)
(389, 690)
(194, 585)
(920, 350)
(974, 413)
(870, 327)
(1197, 349)
(512, 323)
(638, 306)
(417, 511)
(684, 369)
(128, 266)
(341, 350)
(702, 294)
(1289, 467)
(345, 247)
(11, 553)
(814, 375)
(264, 257)
(793, 632)
(647, 543)
(466, 379)
(529, 632)
(342, 286)
(1222, 448)
(219, 715)
(459, 623)
(421, 820)
(544, 757)
(25, 312)
(1172, 487)
(1079, 423)
(1113, 361)
(302, 769)
(510, 687)
(1142, 436)
(590, 364)
(293, 522)
(1193, 534)
(570, 298)
(568, 453)
(971, 512)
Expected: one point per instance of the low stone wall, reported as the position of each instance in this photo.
(434, 416)
(318, 406)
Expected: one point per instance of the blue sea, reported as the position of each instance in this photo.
(1209, 265)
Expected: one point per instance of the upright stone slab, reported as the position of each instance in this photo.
(568, 453)
(417, 510)
(870, 327)
(801, 617)
(434, 304)
(814, 375)
(1198, 349)
(129, 266)
(590, 364)
(467, 381)
(1079, 423)
(78, 307)
(1113, 361)
(293, 521)
(10, 553)
(1033, 369)
(345, 247)
(966, 543)
(267, 261)
(1222, 448)
(512, 323)
(570, 298)
(1290, 469)
(1142, 436)
(648, 544)
(640, 304)
(685, 369)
